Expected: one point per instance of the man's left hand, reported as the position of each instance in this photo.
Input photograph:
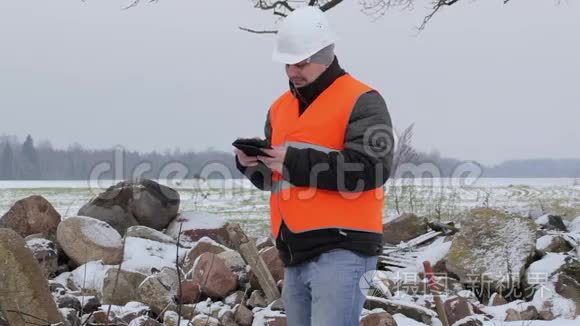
(276, 162)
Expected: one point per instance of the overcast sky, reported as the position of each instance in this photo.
(484, 81)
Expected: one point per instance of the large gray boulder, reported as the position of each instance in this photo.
(492, 246)
(134, 203)
(24, 290)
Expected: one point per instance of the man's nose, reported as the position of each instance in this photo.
(292, 70)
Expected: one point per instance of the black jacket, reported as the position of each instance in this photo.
(368, 141)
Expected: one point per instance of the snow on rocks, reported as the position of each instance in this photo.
(116, 315)
(495, 242)
(553, 243)
(548, 265)
(488, 246)
(574, 226)
(87, 278)
(86, 239)
(268, 317)
(501, 312)
(433, 253)
(403, 320)
(207, 307)
(196, 225)
(567, 282)
(412, 310)
(138, 275)
(143, 232)
(144, 321)
(205, 244)
(45, 253)
(143, 255)
(551, 305)
(551, 222)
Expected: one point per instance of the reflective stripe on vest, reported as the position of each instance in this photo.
(322, 127)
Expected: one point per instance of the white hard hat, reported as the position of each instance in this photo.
(302, 33)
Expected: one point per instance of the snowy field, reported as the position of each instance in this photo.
(238, 200)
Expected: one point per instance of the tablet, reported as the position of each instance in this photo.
(252, 146)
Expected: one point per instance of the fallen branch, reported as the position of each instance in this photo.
(250, 254)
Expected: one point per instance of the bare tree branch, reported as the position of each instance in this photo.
(135, 3)
(329, 5)
(261, 4)
(374, 8)
(245, 29)
(437, 5)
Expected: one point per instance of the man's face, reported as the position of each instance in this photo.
(304, 72)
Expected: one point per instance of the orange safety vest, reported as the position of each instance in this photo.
(322, 126)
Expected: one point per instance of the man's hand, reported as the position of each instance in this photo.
(246, 160)
(276, 162)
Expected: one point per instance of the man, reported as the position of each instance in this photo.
(332, 153)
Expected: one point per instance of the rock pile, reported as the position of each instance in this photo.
(122, 260)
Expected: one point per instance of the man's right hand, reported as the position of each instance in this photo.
(245, 160)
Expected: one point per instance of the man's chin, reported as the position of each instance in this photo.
(300, 84)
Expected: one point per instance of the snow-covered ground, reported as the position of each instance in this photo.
(238, 200)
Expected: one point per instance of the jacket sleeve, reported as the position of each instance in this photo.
(363, 164)
(260, 175)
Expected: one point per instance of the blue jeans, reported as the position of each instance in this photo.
(324, 291)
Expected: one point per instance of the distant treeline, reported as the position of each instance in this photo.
(529, 168)
(28, 161)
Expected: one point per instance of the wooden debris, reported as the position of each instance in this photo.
(249, 252)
